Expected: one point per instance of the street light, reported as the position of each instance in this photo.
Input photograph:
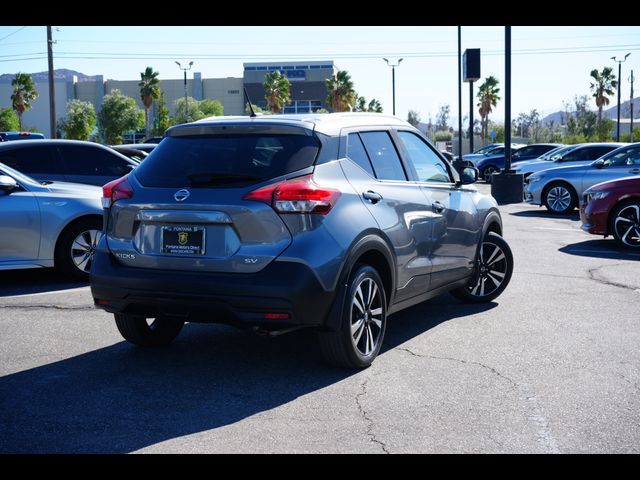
(393, 81)
(620, 62)
(184, 69)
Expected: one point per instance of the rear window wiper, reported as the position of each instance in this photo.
(220, 178)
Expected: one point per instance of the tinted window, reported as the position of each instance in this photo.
(220, 160)
(429, 167)
(383, 155)
(628, 157)
(85, 160)
(357, 153)
(31, 161)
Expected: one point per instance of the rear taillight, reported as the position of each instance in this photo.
(116, 190)
(298, 195)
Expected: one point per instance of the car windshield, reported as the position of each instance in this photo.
(20, 177)
(559, 155)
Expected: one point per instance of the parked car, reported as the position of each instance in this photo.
(66, 160)
(150, 140)
(559, 189)
(491, 149)
(494, 163)
(580, 154)
(8, 136)
(45, 225)
(613, 208)
(330, 221)
(132, 153)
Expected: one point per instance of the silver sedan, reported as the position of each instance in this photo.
(559, 189)
(48, 224)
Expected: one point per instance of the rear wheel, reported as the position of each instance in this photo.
(157, 332)
(492, 274)
(560, 198)
(364, 319)
(76, 247)
(625, 224)
(488, 171)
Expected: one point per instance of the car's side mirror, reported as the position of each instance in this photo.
(598, 164)
(7, 184)
(468, 176)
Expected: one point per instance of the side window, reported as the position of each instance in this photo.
(600, 151)
(627, 157)
(30, 161)
(81, 160)
(429, 167)
(357, 153)
(383, 155)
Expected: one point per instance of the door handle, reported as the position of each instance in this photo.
(437, 207)
(634, 170)
(372, 196)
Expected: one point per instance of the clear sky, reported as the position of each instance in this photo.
(549, 64)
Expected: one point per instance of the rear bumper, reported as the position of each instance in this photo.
(240, 299)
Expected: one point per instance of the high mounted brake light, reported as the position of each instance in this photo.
(298, 195)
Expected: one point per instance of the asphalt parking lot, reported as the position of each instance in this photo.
(552, 366)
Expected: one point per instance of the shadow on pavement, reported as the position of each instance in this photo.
(120, 398)
(544, 213)
(34, 280)
(602, 248)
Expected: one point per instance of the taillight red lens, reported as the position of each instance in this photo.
(116, 190)
(298, 195)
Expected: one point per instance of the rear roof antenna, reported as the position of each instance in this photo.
(253, 114)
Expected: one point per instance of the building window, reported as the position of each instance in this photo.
(261, 68)
(288, 67)
(326, 66)
(302, 67)
(233, 92)
(273, 69)
(250, 68)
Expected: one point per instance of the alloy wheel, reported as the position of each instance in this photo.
(559, 198)
(491, 270)
(627, 225)
(83, 249)
(366, 317)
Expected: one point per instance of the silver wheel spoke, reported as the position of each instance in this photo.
(496, 281)
(358, 331)
(369, 346)
(81, 243)
(358, 301)
(624, 237)
(82, 264)
(498, 259)
(498, 274)
(496, 251)
(374, 294)
(376, 311)
(377, 322)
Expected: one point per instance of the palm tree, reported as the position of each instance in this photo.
(374, 106)
(24, 92)
(149, 91)
(605, 84)
(277, 91)
(488, 98)
(342, 97)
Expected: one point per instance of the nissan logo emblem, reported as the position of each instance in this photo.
(181, 195)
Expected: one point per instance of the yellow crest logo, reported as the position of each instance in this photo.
(182, 238)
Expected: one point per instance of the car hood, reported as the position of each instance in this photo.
(75, 188)
(562, 171)
(526, 163)
(629, 183)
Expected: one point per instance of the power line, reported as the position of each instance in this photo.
(13, 33)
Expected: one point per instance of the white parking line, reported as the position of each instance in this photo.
(560, 229)
(79, 289)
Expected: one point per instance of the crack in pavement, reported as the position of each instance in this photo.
(534, 414)
(45, 306)
(363, 413)
(630, 382)
(593, 272)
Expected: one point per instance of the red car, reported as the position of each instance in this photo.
(613, 208)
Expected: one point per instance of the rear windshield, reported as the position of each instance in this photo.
(225, 160)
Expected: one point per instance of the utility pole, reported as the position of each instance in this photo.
(393, 81)
(620, 62)
(460, 93)
(52, 92)
(184, 69)
(631, 79)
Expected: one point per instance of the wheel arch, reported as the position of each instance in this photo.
(625, 199)
(71, 222)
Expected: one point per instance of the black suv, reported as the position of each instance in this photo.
(332, 222)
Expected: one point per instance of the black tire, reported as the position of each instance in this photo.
(341, 348)
(488, 171)
(160, 333)
(490, 269)
(89, 229)
(560, 198)
(624, 224)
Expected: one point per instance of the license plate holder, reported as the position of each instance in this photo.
(183, 240)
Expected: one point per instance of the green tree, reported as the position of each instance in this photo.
(626, 137)
(442, 118)
(413, 117)
(8, 120)
(256, 109)
(277, 91)
(149, 91)
(79, 121)
(162, 120)
(604, 128)
(342, 96)
(118, 115)
(488, 98)
(604, 86)
(24, 92)
(211, 108)
(186, 113)
(372, 106)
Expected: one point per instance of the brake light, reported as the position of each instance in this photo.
(298, 195)
(116, 190)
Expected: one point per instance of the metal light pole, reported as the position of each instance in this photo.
(52, 91)
(631, 79)
(620, 62)
(184, 69)
(393, 81)
(460, 92)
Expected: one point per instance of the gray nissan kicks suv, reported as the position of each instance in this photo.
(330, 221)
